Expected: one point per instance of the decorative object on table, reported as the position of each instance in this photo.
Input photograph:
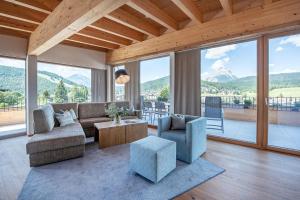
(115, 112)
(121, 76)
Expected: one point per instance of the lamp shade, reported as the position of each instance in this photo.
(121, 76)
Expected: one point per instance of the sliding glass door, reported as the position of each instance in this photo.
(229, 90)
(284, 92)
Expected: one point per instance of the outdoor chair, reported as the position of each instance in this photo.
(214, 112)
(160, 110)
(147, 110)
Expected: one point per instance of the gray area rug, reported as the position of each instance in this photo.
(105, 174)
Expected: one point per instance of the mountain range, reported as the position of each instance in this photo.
(13, 79)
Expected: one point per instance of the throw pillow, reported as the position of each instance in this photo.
(72, 112)
(178, 122)
(43, 119)
(65, 118)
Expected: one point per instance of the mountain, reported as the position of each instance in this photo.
(155, 85)
(13, 79)
(80, 79)
(222, 77)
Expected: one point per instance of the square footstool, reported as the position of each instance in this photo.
(153, 157)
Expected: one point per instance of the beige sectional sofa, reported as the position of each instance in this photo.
(52, 143)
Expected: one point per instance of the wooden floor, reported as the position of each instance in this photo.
(250, 173)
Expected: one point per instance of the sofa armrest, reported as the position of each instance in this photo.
(164, 124)
(196, 136)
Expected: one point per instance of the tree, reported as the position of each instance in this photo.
(164, 94)
(79, 94)
(61, 93)
(46, 95)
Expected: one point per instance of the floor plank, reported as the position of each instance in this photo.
(250, 173)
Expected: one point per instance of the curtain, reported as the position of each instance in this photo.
(98, 85)
(187, 83)
(132, 88)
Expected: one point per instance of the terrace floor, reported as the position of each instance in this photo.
(279, 135)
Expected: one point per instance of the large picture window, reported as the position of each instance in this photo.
(155, 88)
(228, 90)
(12, 96)
(61, 84)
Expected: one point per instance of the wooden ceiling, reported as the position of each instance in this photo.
(121, 23)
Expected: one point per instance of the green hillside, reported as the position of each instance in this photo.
(12, 79)
(155, 85)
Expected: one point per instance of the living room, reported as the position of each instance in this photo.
(146, 99)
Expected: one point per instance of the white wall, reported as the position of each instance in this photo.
(61, 54)
(13, 46)
(67, 55)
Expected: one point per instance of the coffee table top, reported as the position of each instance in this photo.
(127, 122)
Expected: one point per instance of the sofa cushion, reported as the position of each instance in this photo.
(64, 118)
(58, 138)
(178, 122)
(43, 119)
(58, 107)
(87, 123)
(91, 110)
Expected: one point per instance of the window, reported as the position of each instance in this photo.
(119, 88)
(229, 74)
(12, 96)
(155, 88)
(59, 84)
(284, 92)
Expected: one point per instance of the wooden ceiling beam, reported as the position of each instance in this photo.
(29, 5)
(85, 46)
(16, 25)
(20, 13)
(127, 19)
(227, 6)
(101, 35)
(68, 17)
(190, 9)
(150, 10)
(91, 41)
(276, 16)
(13, 32)
(115, 28)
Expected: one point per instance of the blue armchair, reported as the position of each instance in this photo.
(191, 142)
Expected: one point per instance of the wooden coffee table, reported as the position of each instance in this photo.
(110, 134)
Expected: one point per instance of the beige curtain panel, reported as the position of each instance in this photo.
(132, 88)
(187, 83)
(98, 85)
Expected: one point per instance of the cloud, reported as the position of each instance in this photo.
(289, 70)
(220, 66)
(295, 40)
(278, 49)
(219, 52)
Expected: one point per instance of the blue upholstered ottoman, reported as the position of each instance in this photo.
(153, 157)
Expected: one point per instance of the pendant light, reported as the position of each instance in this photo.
(121, 76)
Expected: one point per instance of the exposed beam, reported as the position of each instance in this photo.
(16, 25)
(268, 2)
(278, 15)
(29, 5)
(227, 6)
(91, 41)
(127, 19)
(190, 9)
(12, 32)
(115, 28)
(85, 46)
(68, 17)
(21, 13)
(150, 10)
(101, 35)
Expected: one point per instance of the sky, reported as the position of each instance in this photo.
(154, 68)
(241, 59)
